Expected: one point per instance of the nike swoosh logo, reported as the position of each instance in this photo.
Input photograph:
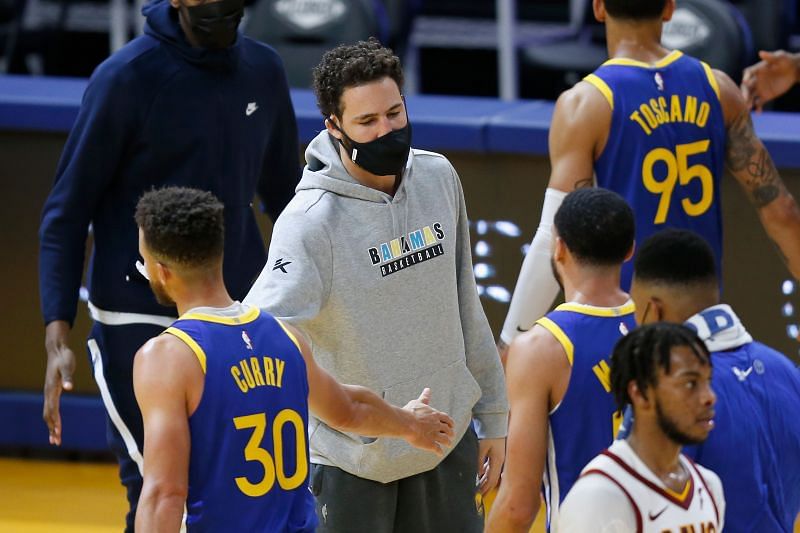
(652, 516)
(522, 330)
(251, 108)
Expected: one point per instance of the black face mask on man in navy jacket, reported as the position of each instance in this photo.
(211, 25)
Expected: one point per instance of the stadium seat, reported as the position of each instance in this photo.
(711, 31)
(707, 29)
(303, 31)
(769, 20)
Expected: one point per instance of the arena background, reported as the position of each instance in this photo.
(499, 149)
(497, 186)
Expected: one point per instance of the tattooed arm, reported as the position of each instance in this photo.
(751, 165)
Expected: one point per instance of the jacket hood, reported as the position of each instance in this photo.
(324, 170)
(162, 24)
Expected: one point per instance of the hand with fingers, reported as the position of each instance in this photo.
(58, 376)
(431, 429)
(491, 456)
(770, 78)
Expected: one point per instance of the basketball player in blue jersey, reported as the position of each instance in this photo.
(643, 483)
(755, 445)
(658, 127)
(225, 391)
(557, 373)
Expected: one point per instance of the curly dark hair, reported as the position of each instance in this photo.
(639, 354)
(182, 225)
(350, 65)
(597, 226)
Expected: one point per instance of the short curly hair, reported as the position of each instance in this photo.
(350, 65)
(597, 225)
(182, 226)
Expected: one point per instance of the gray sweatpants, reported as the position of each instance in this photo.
(441, 500)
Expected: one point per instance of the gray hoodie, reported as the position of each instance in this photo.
(384, 288)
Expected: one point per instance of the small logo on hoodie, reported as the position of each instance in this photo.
(408, 250)
(251, 108)
(281, 264)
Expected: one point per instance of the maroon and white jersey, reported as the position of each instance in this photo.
(618, 493)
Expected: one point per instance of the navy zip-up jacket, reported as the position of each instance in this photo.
(159, 112)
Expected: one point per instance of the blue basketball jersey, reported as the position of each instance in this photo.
(755, 445)
(248, 469)
(666, 147)
(584, 422)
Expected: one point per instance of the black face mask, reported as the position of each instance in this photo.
(383, 156)
(214, 24)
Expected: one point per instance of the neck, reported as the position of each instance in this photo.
(684, 301)
(636, 40)
(203, 294)
(655, 449)
(598, 286)
(387, 184)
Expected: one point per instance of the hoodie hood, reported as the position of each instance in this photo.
(324, 170)
(162, 24)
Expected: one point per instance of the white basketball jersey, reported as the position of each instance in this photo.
(617, 492)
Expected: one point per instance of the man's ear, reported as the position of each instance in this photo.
(630, 253)
(599, 10)
(638, 397)
(559, 248)
(164, 273)
(658, 308)
(330, 125)
(669, 10)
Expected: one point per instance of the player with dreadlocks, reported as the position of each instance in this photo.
(644, 483)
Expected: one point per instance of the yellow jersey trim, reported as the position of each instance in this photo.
(560, 336)
(244, 318)
(624, 309)
(712, 80)
(663, 62)
(601, 86)
(289, 334)
(684, 494)
(190, 342)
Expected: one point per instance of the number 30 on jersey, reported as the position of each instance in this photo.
(273, 467)
(678, 172)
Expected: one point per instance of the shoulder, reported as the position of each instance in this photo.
(584, 97)
(538, 354)
(713, 482)
(137, 69)
(730, 97)
(260, 54)
(164, 361)
(581, 120)
(305, 218)
(164, 348)
(432, 161)
(596, 503)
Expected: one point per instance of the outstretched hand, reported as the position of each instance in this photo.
(431, 429)
(769, 78)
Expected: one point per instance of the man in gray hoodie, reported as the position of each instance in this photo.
(372, 260)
